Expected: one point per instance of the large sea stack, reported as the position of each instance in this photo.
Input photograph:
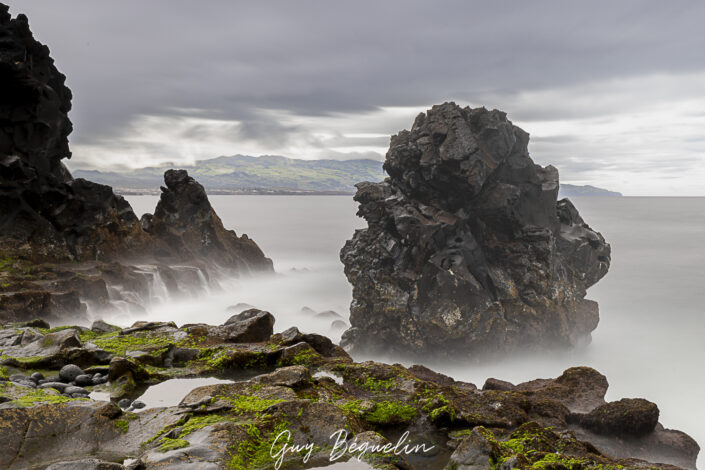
(468, 253)
(65, 241)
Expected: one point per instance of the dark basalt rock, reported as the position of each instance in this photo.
(250, 326)
(467, 252)
(44, 213)
(185, 221)
(48, 217)
(624, 418)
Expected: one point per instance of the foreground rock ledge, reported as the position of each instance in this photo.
(467, 252)
(307, 385)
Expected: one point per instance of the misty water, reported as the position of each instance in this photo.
(649, 342)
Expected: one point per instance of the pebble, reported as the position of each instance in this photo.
(37, 376)
(84, 380)
(138, 404)
(69, 372)
(22, 380)
(99, 379)
(60, 386)
(124, 403)
(73, 390)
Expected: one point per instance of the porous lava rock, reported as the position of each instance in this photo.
(467, 252)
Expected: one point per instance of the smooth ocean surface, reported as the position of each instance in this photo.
(650, 341)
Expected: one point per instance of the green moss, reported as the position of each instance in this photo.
(249, 404)
(304, 358)
(25, 362)
(4, 374)
(89, 335)
(530, 442)
(122, 425)
(436, 405)
(352, 407)
(6, 263)
(199, 422)
(259, 361)
(258, 450)
(168, 444)
(442, 411)
(119, 344)
(375, 384)
(550, 461)
(38, 396)
(386, 412)
(215, 358)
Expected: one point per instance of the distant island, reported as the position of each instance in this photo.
(269, 174)
(571, 190)
(241, 174)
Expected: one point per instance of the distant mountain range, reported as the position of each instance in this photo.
(241, 174)
(570, 190)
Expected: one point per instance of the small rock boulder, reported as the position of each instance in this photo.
(473, 453)
(250, 326)
(84, 380)
(624, 418)
(496, 384)
(69, 372)
(102, 327)
(292, 376)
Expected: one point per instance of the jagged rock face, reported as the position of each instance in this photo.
(467, 252)
(44, 213)
(48, 217)
(187, 224)
(34, 102)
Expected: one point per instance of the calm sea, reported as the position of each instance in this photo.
(651, 339)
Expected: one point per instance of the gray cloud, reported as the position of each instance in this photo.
(251, 62)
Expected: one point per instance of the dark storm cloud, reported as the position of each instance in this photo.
(236, 61)
(319, 57)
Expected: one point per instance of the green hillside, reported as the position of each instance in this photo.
(243, 173)
(272, 174)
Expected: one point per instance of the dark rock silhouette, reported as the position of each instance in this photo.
(187, 224)
(467, 252)
(48, 217)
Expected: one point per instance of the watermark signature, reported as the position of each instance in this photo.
(281, 446)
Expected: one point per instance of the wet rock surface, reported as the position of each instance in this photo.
(305, 384)
(65, 242)
(467, 251)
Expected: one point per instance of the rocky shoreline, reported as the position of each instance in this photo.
(72, 397)
(307, 385)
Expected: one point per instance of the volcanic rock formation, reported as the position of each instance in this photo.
(467, 252)
(186, 223)
(48, 217)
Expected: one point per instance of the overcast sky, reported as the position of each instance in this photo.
(612, 92)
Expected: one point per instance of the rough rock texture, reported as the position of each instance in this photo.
(186, 222)
(305, 384)
(467, 252)
(78, 230)
(44, 212)
(624, 418)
